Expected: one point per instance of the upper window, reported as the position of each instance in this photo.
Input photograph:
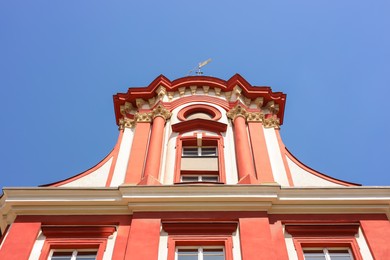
(73, 255)
(200, 253)
(200, 152)
(327, 254)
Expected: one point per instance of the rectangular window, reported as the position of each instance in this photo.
(199, 178)
(200, 253)
(327, 254)
(74, 255)
(200, 152)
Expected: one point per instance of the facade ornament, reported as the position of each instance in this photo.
(217, 91)
(152, 101)
(206, 89)
(161, 92)
(126, 123)
(171, 94)
(255, 117)
(247, 101)
(143, 117)
(182, 91)
(236, 111)
(272, 107)
(139, 102)
(162, 112)
(193, 89)
(259, 102)
(228, 95)
(272, 121)
(126, 108)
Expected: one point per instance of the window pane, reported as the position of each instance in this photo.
(189, 178)
(314, 255)
(190, 151)
(187, 254)
(62, 255)
(86, 255)
(213, 254)
(209, 151)
(210, 178)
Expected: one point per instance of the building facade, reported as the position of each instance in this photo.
(199, 171)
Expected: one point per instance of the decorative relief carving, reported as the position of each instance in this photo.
(139, 102)
(193, 89)
(272, 107)
(217, 91)
(152, 101)
(161, 111)
(126, 108)
(247, 101)
(182, 91)
(228, 95)
(255, 117)
(259, 102)
(143, 117)
(126, 123)
(237, 111)
(206, 89)
(271, 122)
(170, 95)
(161, 92)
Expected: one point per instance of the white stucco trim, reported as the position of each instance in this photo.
(275, 156)
(165, 151)
(37, 248)
(292, 253)
(163, 246)
(364, 250)
(236, 244)
(110, 246)
(230, 156)
(123, 158)
(97, 178)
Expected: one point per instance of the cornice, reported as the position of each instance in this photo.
(163, 90)
(128, 199)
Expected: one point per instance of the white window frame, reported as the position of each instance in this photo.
(325, 251)
(200, 250)
(74, 253)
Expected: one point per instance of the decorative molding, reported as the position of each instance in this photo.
(206, 90)
(143, 117)
(255, 117)
(217, 91)
(126, 108)
(162, 112)
(182, 91)
(272, 121)
(126, 123)
(236, 111)
(259, 102)
(139, 102)
(193, 89)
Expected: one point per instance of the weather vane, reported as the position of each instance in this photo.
(198, 68)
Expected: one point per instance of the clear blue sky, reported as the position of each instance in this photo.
(61, 62)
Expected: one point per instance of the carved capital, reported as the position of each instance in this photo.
(237, 111)
(161, 111)
(143, 117)
(255, 117)
(126, 123)
(272, 122)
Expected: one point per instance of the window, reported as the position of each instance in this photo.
(200, 253)
(199, 178)
(200, 152)
(327, 254)
(74, 255)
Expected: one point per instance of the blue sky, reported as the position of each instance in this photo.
(61, 62)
